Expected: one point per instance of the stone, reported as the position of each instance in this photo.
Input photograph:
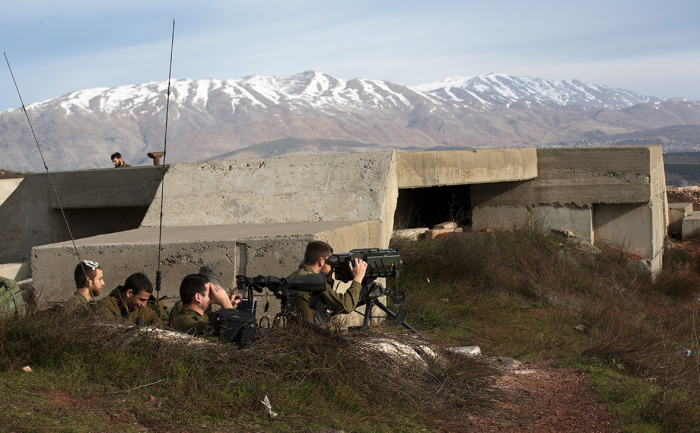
(466, 350)
(506, 362)
(446, 225)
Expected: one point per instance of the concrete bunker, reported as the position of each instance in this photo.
(256, 216)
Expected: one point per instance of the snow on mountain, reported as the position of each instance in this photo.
(310, 88)
(312, 112)
(502, 89)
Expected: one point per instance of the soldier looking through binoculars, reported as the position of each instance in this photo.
(316, 261)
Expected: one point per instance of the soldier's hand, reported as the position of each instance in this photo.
(358, 270)
(236, 299)
(219, 296)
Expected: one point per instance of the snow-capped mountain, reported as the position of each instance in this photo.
(312, 112)
(500, 89)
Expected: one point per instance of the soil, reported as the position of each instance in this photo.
(539, 397)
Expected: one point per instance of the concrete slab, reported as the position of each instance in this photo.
(7, 187)
(411, 234)
(691, 226)
(248, 249)
(15, 271)
(581, 176)
(676, 213)
(459, 167)
(275, 190)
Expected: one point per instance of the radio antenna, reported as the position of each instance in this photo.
(53, 186)
(162, 181)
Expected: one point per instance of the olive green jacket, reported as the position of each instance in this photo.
(113, 307)
(191, 322)
(343, 303)
(76, 304)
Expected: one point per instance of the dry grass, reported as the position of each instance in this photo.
(520, 294)
(311, 380)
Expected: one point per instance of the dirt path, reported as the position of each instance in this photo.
(539, 397)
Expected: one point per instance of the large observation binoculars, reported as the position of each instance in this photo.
(380, 263)
(283, 287)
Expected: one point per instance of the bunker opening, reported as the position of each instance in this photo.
(88, 222)
(426, 207)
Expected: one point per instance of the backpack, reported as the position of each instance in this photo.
(231, 325)
(11, 301)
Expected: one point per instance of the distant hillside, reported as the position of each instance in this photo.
(311, 112)
(674, 139)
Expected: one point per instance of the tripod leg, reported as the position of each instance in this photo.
(368, 314)
(393, 315)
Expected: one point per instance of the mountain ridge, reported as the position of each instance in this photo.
(210, 117)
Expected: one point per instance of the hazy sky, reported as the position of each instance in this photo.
(651, 47)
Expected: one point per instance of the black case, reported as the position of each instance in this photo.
(237, 326)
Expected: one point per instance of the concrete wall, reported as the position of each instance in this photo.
(350, 187)
(545, 218)
(7, 186)
(580, 176)
(460, 167)
(613, 195)
(97, 201)
(250, 249)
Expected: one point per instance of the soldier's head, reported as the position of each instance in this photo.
(136, 291)
(88, 274)
(116, 159)
(194, 290)
(316, 256)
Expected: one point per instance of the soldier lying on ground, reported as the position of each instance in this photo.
(128, 302)
(197, 294)
(88, 284)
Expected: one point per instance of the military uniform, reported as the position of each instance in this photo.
(173, 312)
(76, 304)
(124, 165)
(343, 303)
(189, 321)
(114, 307)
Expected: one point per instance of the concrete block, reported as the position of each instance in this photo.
(458, 167)
(15, 271)
(275, 190)
(690, 227)
(7, 187)
(432, 234)
(411, 234)
(676, 213)
(446, 225)
(685, 208)
(246, 249)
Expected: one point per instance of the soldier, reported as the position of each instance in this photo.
(214, 275)
(88, 283)
(127, 303)
(197, 294)
(316, 261)
(117, 161)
